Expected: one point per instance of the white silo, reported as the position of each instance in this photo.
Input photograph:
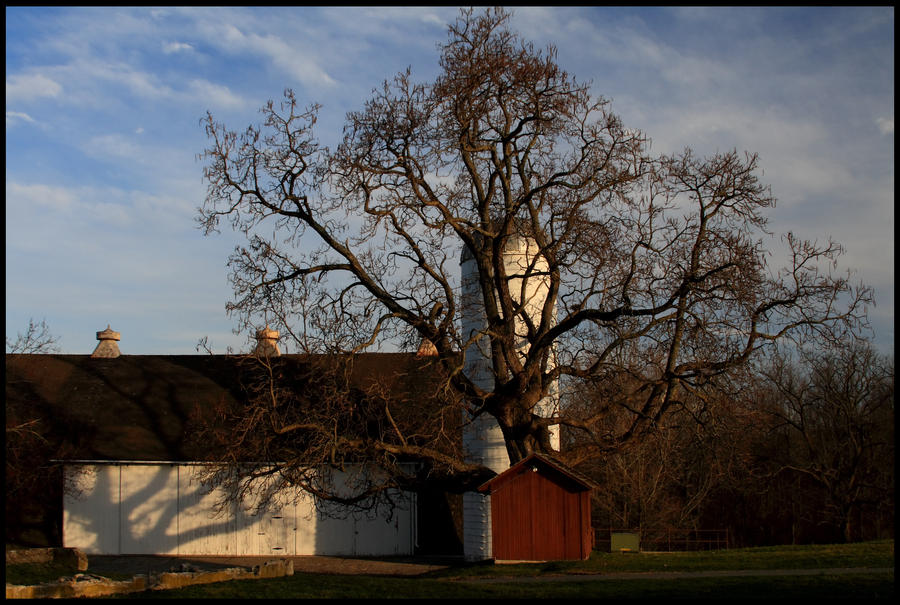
(482, 438)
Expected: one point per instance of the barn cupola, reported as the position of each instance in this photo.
(427, 349)
(267, 342)
(107, 347)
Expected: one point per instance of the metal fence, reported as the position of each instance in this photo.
(667, 539)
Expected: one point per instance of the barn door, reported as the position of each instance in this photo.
(276, 533)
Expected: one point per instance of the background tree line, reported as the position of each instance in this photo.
(799, 450)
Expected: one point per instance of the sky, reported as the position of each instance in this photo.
(103, 133)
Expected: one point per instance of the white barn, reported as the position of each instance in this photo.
(132, 481)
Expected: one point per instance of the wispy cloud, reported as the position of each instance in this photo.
(28, 86)
(115, 146)
(176, 47)
(56, 199)
(82, 210)
(88, 210)
(215, 95)
(300, 65)
(14, 117)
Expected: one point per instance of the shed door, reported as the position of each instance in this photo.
(547, 520)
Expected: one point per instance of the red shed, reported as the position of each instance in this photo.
(540, 511)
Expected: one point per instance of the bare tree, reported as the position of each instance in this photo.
(328, 415)
(673, 474)
(31, 450)
(654, 268)
(834, 412)
(36, 339)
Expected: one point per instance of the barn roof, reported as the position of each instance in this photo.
(544, 464)
(137, 407)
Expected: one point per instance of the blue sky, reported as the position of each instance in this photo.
(103, 109)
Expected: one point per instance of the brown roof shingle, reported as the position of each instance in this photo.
(138, 407)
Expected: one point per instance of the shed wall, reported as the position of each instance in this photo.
(536, 519)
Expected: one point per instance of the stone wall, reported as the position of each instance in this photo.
(71, 557)
(89, 585)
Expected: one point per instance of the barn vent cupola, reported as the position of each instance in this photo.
(107, 347)
(267, 342)
(427, 349)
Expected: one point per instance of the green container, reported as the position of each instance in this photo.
(624, 542)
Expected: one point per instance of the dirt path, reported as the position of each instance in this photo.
(141, 564)
(673, 575)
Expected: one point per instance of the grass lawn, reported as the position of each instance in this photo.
(566, 579)
(862, 554)
(311, 586)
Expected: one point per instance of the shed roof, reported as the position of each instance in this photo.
(548, 466)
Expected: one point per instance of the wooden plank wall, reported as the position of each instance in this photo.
(536, 519)
(163, 509)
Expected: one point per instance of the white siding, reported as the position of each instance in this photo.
(163, 509)
(271, 531)
(91, 509)
(477, 537)
(379, 535)
(334, 534)
(202, 528)
(148, 514)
